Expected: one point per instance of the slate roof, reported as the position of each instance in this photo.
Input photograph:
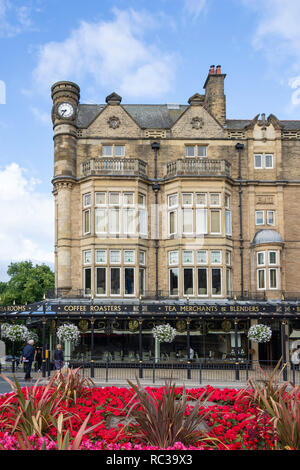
(159, 116)
(266, 236)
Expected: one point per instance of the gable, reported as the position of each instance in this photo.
(113, 121)
(197, 122)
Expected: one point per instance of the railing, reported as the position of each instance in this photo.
(201, 371)
(114, 166)
(198, 167)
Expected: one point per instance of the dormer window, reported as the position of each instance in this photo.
(195, 150)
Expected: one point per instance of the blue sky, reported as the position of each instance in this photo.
(156, 51)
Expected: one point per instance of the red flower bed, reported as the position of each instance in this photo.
(231, 419)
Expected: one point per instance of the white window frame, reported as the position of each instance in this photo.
(261, 160)
(124, 281)
(105, 256)
(126, 193)
(129, 228)
(269, 278)
(120, 271)
(263, 217)
(264, 258)
(207, 282)
(112, 150)
(191, 262)
(276, 260)
(210, 198)
(178, 281)
(211, 281)
(115, 262)
(196, 147)
(265, 280)
(85, 253)
(83, 221)
(96, 293)
(205, 203)
(110, 218)
(84, 282)
(192, 213)
(85, 196)
(206, 258)
(175, 222)
(98, 209)
(268, 223)
(228, 223)
(170, 256)
(129, 262)
(201, 215)
(265, 159)
(212, 262)
(193, 271)
(183, 204)
(143, 261)
(115, 204)
(173, 195)
(220, 216)
(105, 199)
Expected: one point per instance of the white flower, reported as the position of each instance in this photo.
(260, 333)
(68, 332)
(15, 332)
(164, 333)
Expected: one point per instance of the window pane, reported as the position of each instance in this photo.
(228, 227)
(215, 221)
(87, 281)
(172, 222)
(270, 217)
(269, 161)
(202, 281)
(128, 256)
(259, 217)
(173, 281)
(129, 281)
(115, 256)
(101, 281)
(100, 221)
(187, 199)
(114, 220)
(173, 200)
(100, 256)
(188, 284)
(261, 258)
(142, 255)
(129, 221)
(119, 150)
(114, 198)
(202, 257)
(273, 278)
(142, 282)
(228, 281)
(187, 256)
(189, 151)
(201, 221)
(142, 221)
(173, 257)
(100, 199)
(202, 151)
(215, 199)
(87, 200)
(87, 222)
(272, 257)
(128, 199)
(215, 257)
(115, 281)
(187, 220)
(227, 201)
(87, 257)
(201, 199)
(257, 161)
(107, 150)
(261, 279)
(228, 258)
(141, 200)
(216, 282)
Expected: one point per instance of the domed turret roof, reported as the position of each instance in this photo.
(266, 236)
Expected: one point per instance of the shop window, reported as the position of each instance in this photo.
(202, 281)
(101, 281)
(188, 281)
(129, 281)
(115, 281)
(216, 281)
(173, 281)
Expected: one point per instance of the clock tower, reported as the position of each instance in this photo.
(65, 96)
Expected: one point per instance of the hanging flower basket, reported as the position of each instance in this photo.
(68, 332)
(164, 333)
(260, 333)
(15, 333)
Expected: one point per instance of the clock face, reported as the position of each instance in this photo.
(65, 110)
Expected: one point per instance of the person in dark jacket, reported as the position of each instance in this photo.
(58, 358)
(38, 359)
(28, 357)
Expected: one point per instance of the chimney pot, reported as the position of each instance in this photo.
(218, 69)
(212, 69)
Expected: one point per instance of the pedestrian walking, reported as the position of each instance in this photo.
(28, 357)
(58, 358)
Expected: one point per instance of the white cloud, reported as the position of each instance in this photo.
(15, 19)
(278, 36)
(112, 54)
(195, 7)
(41, 116)
(27, 218)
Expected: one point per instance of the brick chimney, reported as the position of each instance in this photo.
(215, 99)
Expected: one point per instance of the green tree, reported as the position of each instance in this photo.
(27, 283)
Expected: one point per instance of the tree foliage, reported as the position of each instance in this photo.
(27, 283)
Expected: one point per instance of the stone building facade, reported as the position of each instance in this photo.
(174, 201)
